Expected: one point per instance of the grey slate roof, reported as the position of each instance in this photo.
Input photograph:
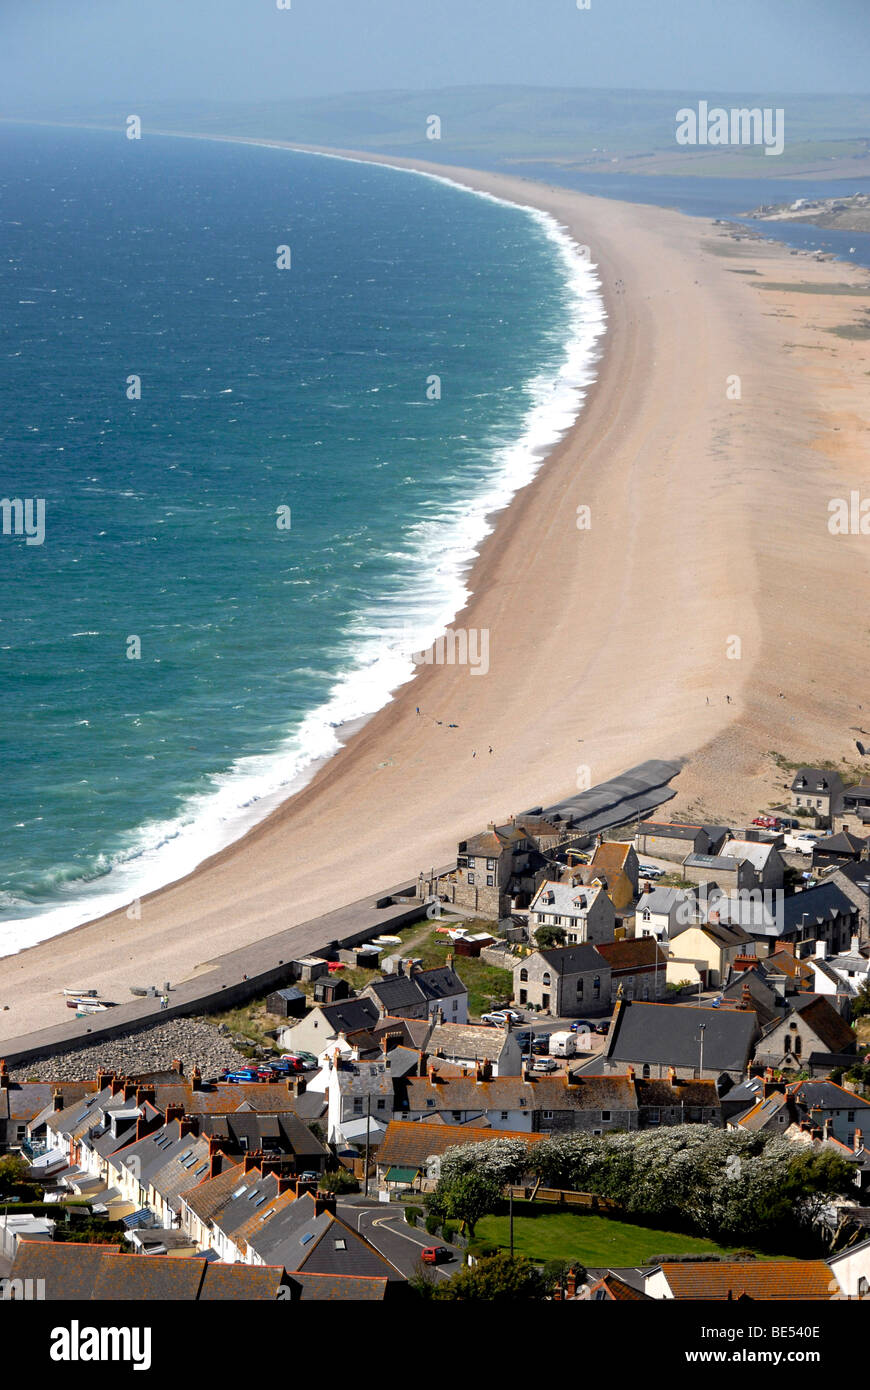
(818, 905)
(667, 1035)
(573, 960)
(350, 1015)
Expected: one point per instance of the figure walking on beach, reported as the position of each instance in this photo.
(164, 1001)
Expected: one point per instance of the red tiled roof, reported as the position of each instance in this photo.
(784, 1280)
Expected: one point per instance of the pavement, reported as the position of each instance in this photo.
(384, 1226)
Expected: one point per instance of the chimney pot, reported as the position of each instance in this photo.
(178, 1065)
(859, 1140)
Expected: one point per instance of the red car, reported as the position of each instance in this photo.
(767, 822)
(435, 1254)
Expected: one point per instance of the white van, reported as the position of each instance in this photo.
(563, 1044)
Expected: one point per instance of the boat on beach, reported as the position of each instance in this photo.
(81, 993)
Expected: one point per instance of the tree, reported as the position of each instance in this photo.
(550, 936)
(339, 1180)
(861, 1003)
(13, 1172)
(465, 1198)
(495, 1279)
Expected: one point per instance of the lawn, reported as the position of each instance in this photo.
(487, 985)
(544, 1234)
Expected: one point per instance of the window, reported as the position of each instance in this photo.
(797, 1047)
(524, 996)
(850, 1116)
(547, 1114)
(524, 974)
(504, 1114)
(596, 986)
(489, 881)
(457, 1114)
(605, 1115)
(341, 1244)
(545, 978)
(382, 1105)
(357, 1105)
(787, 1043)
(471, 878)
(646, 1072)
(580, 988)
(490, 864)
(654, 1116)
(863, 1287)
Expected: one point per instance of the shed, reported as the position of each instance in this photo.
(287, 1003)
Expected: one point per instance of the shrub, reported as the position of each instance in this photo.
(448, 1232)
(433, 1225)
(338, 1181)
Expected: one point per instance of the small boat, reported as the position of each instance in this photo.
(89, 1005)
(81, 993)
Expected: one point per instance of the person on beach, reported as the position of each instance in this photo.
(164, 1001)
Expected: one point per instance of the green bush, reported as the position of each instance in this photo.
(433, 1226)
(448, 1232)
(481, 1249)
(339, 1180)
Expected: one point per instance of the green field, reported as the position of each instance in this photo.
(596, 1241)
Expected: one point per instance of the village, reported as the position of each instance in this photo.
(433, 1106)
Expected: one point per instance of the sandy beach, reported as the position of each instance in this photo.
(707, 614)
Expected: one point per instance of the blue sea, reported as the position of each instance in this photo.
(242, 548)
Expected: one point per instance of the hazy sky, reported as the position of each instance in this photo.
(130, 51)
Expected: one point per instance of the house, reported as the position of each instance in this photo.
(22, 1101)
(728, 873)
(765, 861)
(672, 840)
(664, 912)
(843, 848)
(677, 1101)
(415, 993)
(610, 1288)
(618, 864)
(498, 871)
(704, 953)
(330, 989)
(324, 1022)
(566, 981)
(359, 1102)
(854, 881)
(724, 1281)
(851, 1269)
(847, 974)
(306, 1237)
(287, 1003)
(410, 1154)
(818, 791)
(854, 815)
(585, 914)
(471, 1043)
(638, 967)
(711, 1044)
(811, 1025)
(823, 1105)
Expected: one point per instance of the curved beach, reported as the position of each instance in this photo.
(607, 645)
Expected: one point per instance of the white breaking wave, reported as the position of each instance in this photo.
(384, 640)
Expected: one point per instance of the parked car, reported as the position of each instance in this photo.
(541, 1043)
(602, 1027)
(767, 822)
(236, 1077)
(307, 1059)
(580, 1023)
(309, 1176)
(435, 1254)
(545, 1064)
(499, 1017)
(650, 871)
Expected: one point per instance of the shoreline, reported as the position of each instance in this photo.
(513, 468)
(606, 643)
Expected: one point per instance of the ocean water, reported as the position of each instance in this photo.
(172, 661)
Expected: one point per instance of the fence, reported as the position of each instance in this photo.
(591, 1201)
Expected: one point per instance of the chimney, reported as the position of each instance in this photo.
(117, 1084)
(215, 1163)
(384, 1045)
(422, 1062)
(144, 1093)
(57, 1101)
(826, 1127)
(298, 1084)
(630, 1073)
(4, 1074)
(859, 1140)
(104, 1077)
(249, 1163)
(449, 960)
(672, 1075)
(196, 1079)
(486, 1070)
(286, 1185)
(508, 1023)
(746, 997)
(129, 1089)
(430, 1072)
(178, 1065)
(189, 1125)
(821, 950)
(173, 1112)
(324, 1201)
(478, 1071)
(571, 1284)
(439, 1016)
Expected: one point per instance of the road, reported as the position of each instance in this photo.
(384, 1226)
